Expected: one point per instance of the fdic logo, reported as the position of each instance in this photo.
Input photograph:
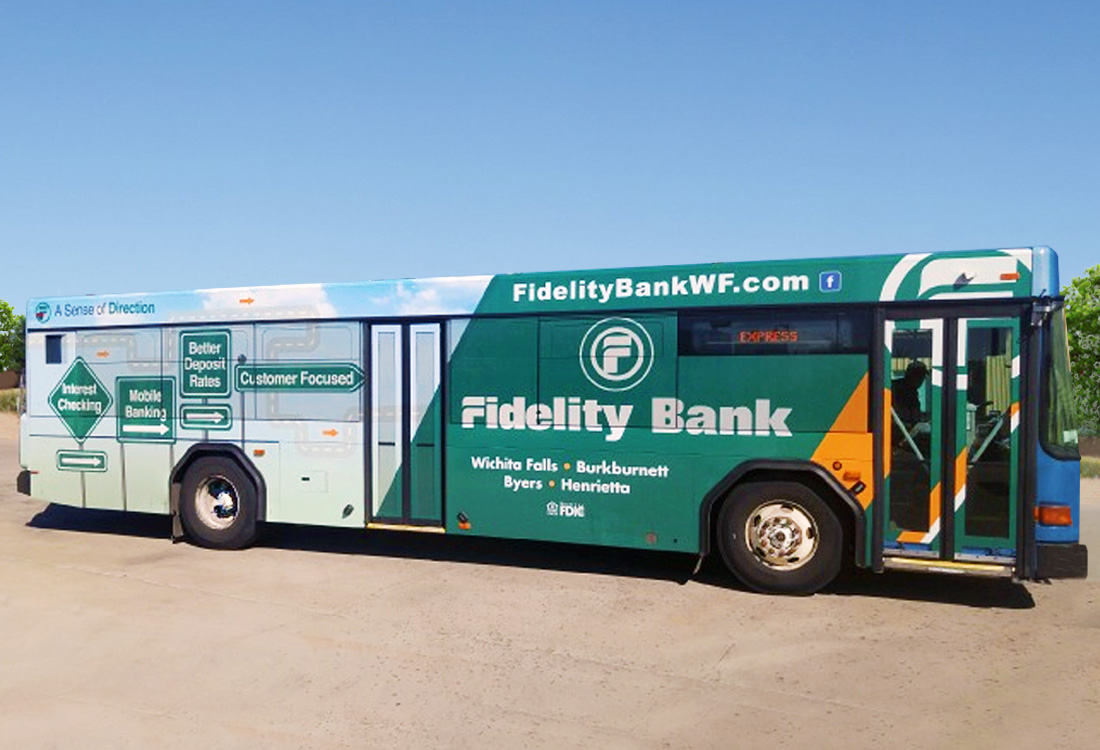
(616, 354)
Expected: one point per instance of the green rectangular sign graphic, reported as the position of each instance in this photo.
(146, 409)
(204, 363)
(299, 376)
(206, 417)
(82, 461)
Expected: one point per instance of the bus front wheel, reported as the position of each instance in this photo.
(780, 537)
(218, 504)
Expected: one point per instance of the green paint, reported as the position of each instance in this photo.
(536, 449)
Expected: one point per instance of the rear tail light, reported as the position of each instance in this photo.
(1054, 515)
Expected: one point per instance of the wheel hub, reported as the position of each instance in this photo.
(781, 534)
(216, 502)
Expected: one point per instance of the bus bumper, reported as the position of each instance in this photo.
(1061, 561)
(23, 483)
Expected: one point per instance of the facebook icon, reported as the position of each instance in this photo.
(829, 281)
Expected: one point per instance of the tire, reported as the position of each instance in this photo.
(218, 504)
(780, 538)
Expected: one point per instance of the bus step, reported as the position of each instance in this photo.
(992, 570)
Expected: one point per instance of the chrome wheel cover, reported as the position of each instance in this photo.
(781, 535)
(216, 502)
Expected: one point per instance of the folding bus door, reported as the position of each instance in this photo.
(950, 443)
(406, 425)
(987, 439)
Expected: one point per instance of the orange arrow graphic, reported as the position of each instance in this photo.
(103, 354)
(330, 433)
(246, 301)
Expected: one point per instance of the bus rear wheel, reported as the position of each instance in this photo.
(780, 537)
(218, 504)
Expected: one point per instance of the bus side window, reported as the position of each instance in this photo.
(53, 349)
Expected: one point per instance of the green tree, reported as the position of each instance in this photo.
(1083, 321)
(13, 343)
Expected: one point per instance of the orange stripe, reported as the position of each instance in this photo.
(960, 472)
(849, 445)
(887, 431)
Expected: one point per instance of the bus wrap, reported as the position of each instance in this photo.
(792, 416)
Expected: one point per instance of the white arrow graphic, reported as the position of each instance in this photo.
(205, 416)
(81, 461)
(148, 429)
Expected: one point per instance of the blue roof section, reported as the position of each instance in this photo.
(1044, 273)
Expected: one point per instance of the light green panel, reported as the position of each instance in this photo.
(148, 467)
(50, 484)
(268, 467)
(104, 489)
(319, 479)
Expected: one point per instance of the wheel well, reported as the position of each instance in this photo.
(223, 450)
(847, 510)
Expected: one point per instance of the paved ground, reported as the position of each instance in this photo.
(112, 637)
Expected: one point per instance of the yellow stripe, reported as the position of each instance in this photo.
(407, 527)
(948, 566)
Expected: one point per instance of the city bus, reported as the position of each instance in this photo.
(796, 417)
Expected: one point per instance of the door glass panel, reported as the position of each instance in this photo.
(911, 430)
(424, 456)
(990, 412)
(386, 420)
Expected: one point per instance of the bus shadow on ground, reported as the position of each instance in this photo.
(96, 521)
(988, 593)
(621, 562)
(573, 558)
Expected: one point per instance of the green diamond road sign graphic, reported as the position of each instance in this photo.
(299, 376)
(80, 399)
(206, 417)
(204, 363)
(146, 409)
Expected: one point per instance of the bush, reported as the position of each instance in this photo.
(9, 400)
(1090, 467)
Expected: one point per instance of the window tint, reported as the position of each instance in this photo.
(1059, 431)
(725, 333)
(53, 349)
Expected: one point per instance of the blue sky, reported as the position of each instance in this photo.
(176, 145)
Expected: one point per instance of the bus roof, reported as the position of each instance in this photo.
(1018, 273)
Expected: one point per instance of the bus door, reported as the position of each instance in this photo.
(951, 441)
(405, 453)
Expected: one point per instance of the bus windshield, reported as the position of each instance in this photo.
(1060, 421)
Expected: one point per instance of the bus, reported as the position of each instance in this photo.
(797, 417)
